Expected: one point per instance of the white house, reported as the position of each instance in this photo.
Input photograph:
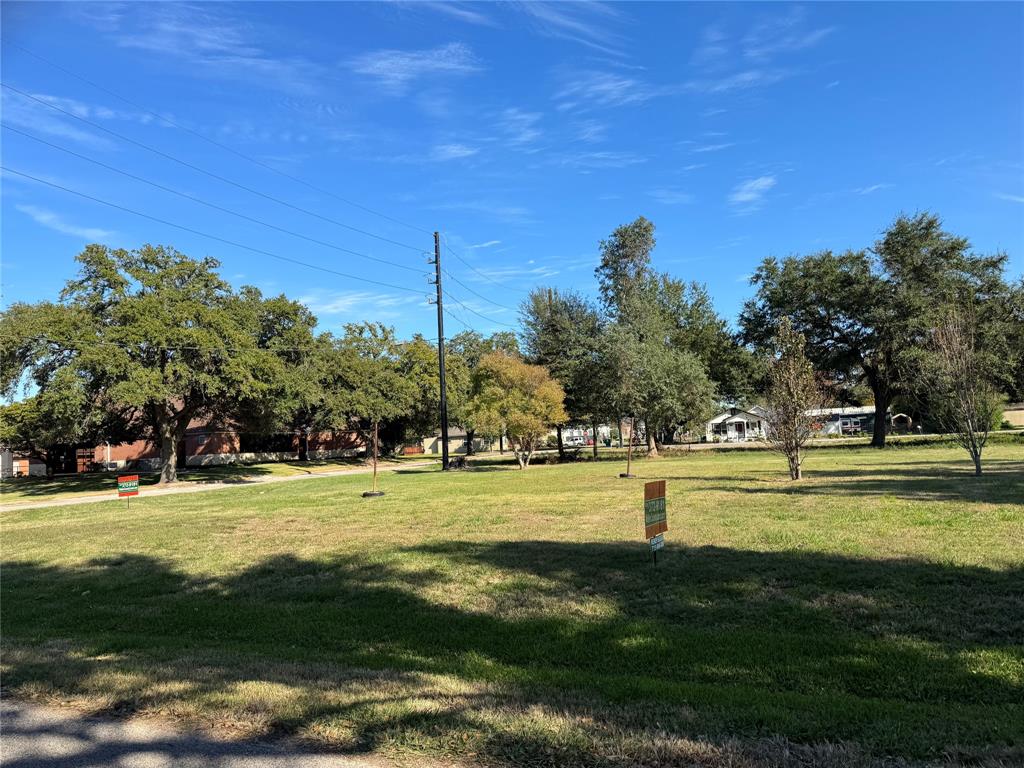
(735, 425)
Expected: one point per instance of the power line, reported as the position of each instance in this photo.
(455, 253)
(211, 174)
(207, 235)
(209, 204)
(216, 143)
(478, 314)
(478, 295)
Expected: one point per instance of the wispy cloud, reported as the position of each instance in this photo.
(54, 221)
(466, 12)
(599, 159)
(520, 128)
(749, 195)
(397, 70)
(731, 63)
(589, 24)
(445, 152)
(591, 131)
(595, 89)
(1010, 198)
(670, 196)
(359, 303)
(211, 40)
(749, 78)
(871, 188)
(512, 273)
(510, 214)
(778, 35)
(488, 244)
(713, 147)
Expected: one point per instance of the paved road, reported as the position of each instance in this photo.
(198, 487)
(33, 736)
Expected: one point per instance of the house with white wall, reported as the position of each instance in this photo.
(736, 425)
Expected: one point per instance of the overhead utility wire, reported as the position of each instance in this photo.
(478, 295)
(209, 204)
(216, 143)
(208, 235)
(211, 174)
(458, 319)
(449, 295)
(455, 253)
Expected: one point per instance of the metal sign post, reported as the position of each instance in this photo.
(655, 516)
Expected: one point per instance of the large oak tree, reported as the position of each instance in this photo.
(865, 313)
(161, 338)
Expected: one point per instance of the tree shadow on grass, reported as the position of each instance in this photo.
(1001, 483)
(580, 653)
(22, 488)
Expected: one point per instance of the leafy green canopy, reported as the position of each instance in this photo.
(160, 339)
(865, 314)
(517, 399)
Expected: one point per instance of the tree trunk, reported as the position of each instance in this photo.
(501, 443)
(470, 434)
(629, 453)
(882, 401)
(797, 472)
(375, 442)
(168, 455)
(620, 433)
(976, 455)
(652, 444)
(561, 445)
(595, 439)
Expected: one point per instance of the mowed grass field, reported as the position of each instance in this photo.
(871, 614)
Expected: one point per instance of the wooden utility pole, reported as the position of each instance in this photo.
(440, 352)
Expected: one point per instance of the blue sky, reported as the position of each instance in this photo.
(524, 132)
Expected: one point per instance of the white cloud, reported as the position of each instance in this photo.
(53, 221)
(671, 196)
(583, 23)
(511, 214)
(592, 89)
(460, 11)
(780, 35)
(591, 131)
(520, 127)
(833, 84)
(488, 244)
(1010, 198)
(444, 152)
(599, 159)
(397, 70)
(211, 41)
(713, 147)
(750, 194)
(352, 303)
(750, 78)
(872, 188)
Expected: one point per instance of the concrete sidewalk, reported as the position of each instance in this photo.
(34, 736)
(217, 485)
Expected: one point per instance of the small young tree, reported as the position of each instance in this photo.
(793, 393)
(517, 399)
(373, 387)
(957, 374)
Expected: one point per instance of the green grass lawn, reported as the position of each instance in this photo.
(872, 613)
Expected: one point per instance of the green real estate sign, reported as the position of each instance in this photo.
(655, 510)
